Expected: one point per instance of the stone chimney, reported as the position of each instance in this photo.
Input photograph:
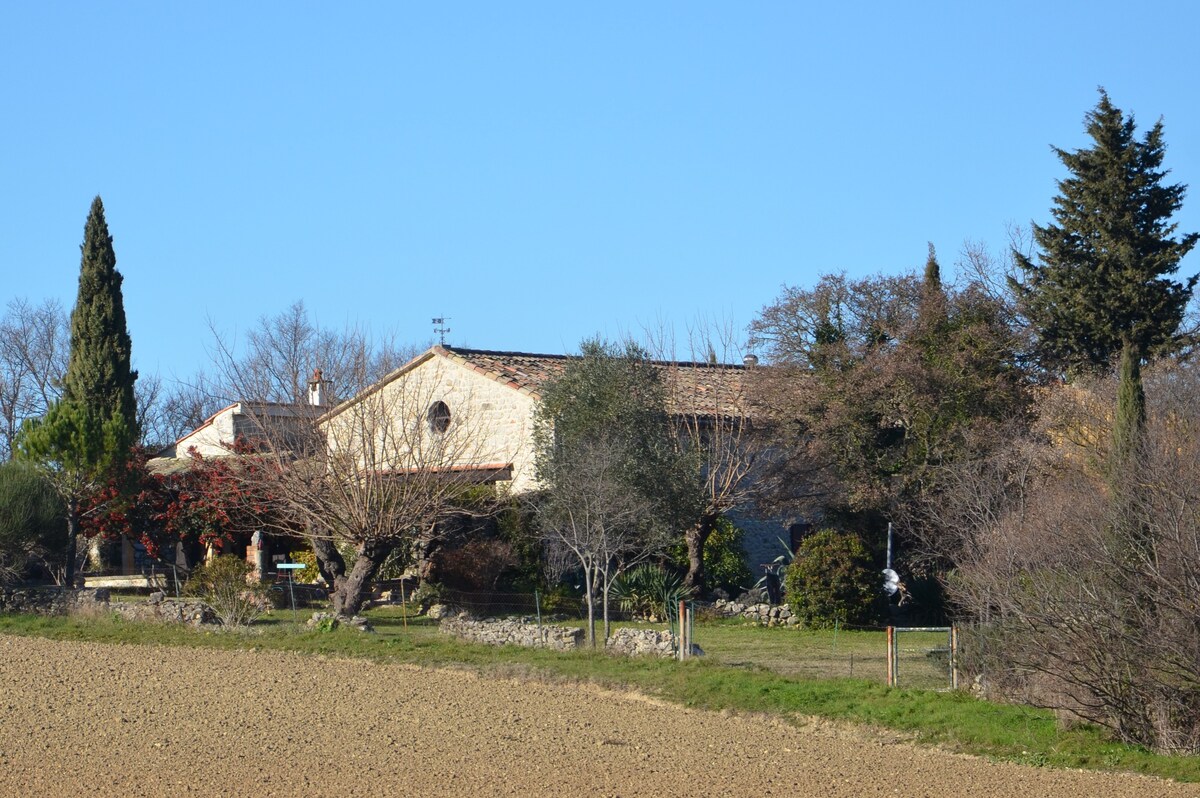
(318, 390)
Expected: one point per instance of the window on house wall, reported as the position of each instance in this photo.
(438, 417)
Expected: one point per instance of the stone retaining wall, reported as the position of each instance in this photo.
(641, 643)
(56, 601)
(761, 614)
(512, 632)
(520, 632)
(53, 600)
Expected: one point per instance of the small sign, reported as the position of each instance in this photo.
(291, 566)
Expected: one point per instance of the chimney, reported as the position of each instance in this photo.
(749, 361)
(318, 388)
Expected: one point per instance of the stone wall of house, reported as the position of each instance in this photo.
(499, 417)
(521, 632)
(761, 538)
(489, 422)
(209, 440)
(94, 601)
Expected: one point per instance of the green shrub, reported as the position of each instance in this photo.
(725, 559)
(33, 522)
(222, 583)
(832, 580)
(311, 574)
(648, 591)
(427, 594)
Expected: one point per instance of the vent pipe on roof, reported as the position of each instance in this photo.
(750, 361)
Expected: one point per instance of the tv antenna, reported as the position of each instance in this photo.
(439, 327)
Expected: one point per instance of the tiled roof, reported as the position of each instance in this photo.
(692, 388)
(524, 371)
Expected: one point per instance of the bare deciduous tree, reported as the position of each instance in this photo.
(1086, 594)
(711, 409)
(590, 512)
(281, 353)
(34, 345)
(382, 471)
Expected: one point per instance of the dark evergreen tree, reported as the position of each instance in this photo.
(1102, 285)
(88, 435)
(98, 372)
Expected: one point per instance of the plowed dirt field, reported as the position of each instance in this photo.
(97, 720)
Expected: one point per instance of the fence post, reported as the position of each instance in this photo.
(691, 625)
(954, 657)
(403, 606)
(682, 639)
(537, 604)
(891, 657)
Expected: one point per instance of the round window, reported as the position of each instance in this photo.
(438, 416)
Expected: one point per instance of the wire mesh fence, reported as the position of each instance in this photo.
(924, 657)
(912, 658)
(537, 605)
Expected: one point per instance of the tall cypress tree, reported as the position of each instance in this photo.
(98, 372)
(86, 436)
(1102, 285)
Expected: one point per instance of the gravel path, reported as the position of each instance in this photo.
(88, 719)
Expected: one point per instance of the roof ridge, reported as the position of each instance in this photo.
(464, 351)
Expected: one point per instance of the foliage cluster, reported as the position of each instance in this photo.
(33, 523)
(611, 475)
(649, 592)
(1085, 594)
(832, 580)
(223, 583)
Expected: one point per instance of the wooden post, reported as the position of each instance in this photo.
(682, 631)
(891, 657)
(403, 606)
(954, 657)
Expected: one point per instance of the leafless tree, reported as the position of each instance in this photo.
(1085, 595)
(711, 407)
(590, 512)
(281, 352)
(183, 405)
(34, 345)
(382, 471)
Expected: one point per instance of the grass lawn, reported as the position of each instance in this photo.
(780, 672)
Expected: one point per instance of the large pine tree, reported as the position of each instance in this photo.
(1102, 285)
(87, 435)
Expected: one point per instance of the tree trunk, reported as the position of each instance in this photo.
(607, 624)
(425, 549)
(72, 545)
(330, 564)
(696, 538)
(588, 581)
(351, 592)
(1131, 413)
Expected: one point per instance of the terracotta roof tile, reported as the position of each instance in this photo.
(699, 388)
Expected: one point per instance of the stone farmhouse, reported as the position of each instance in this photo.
(468, 412)
(483, 403)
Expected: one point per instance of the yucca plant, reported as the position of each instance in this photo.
(648, 591)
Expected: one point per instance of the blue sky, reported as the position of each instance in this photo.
(543, 172)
